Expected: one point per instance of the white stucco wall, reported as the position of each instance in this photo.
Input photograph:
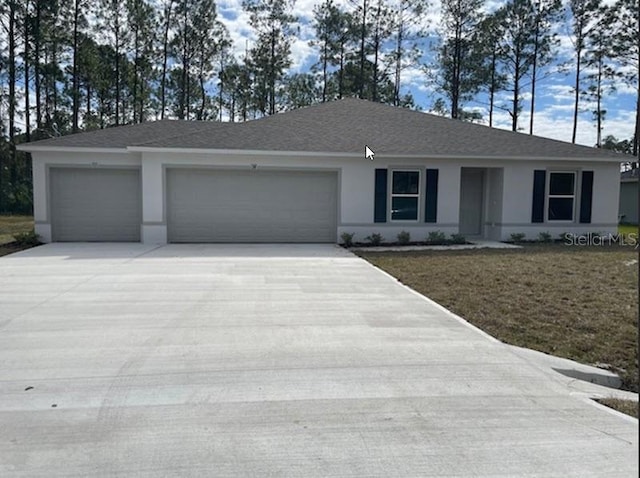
(518, 199)
(507, 200)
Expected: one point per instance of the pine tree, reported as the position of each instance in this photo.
(600, 80)
(408, 24)
(458, 59)
(492, 78)
(79, 23)
(583, 12)
(516, 48)
(330, 25)
(113, 18)
(142, 24)
(546, 16)
(272, 21)
(623, 24)
(167, 16)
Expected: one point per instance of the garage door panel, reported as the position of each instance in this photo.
(251, 206)
(95, 204)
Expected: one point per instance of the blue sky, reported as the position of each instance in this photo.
(554, 99)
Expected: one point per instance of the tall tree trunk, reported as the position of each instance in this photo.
(117, 72)
(516, 93)
(136, 60)
(374, 86)
(576, 98)
(636, 136)
(75, 82)
(341, 72)
(232, 110)
(221, 91)
(398, 72)
(272, 74)
(27, 80)
(536, 48)
(203, 93)
(165, 56)
(13, 170)
(492, 87)
(37, 36)
(184, 108)
(47, 96)
(363, 33)
(533, 94)
(599, 104)
(457, 68)
(203, 97)
(54, 86)
(88, 88)
(12, 72)
(324, 66)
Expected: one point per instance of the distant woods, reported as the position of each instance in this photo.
(78, 65)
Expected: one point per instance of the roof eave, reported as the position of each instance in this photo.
(254, 152)
(70, 149)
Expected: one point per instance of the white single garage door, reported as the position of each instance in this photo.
(89, 204)
(208, 205)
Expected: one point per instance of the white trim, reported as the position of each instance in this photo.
(562, 196)
(70, 149)
(149, 149)
(253, 152)
(417, 195)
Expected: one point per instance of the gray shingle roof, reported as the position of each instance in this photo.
(343, 126)
(128, 135)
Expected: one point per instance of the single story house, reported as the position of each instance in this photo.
(302, 176)
(628, 209)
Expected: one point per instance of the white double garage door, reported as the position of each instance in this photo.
(201, 205)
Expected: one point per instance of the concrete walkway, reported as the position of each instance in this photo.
(270, 360)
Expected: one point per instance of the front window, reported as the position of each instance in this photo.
(562, 193)
(405, 194)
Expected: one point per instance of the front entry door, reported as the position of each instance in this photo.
(471, 201)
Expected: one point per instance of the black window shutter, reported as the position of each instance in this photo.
(380, 199)
(537, 211)
(586, 197)
(431, 198)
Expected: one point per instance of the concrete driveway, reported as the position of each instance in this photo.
(269, 360)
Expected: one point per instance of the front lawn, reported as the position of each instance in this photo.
(11, 226)
(575, 302)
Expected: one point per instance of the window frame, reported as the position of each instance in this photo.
(573, 196)
(418, 195)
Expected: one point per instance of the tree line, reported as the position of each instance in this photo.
(76, 65)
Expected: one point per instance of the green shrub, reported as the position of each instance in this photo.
(544, 237)
(458, 239)
(23, 239)
(517, 236)
(374, 239)
(436, 237)
(347, 238)
(404, 237)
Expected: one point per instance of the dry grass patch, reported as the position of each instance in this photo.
(573, 302)
(629, 407)
(11, 225)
